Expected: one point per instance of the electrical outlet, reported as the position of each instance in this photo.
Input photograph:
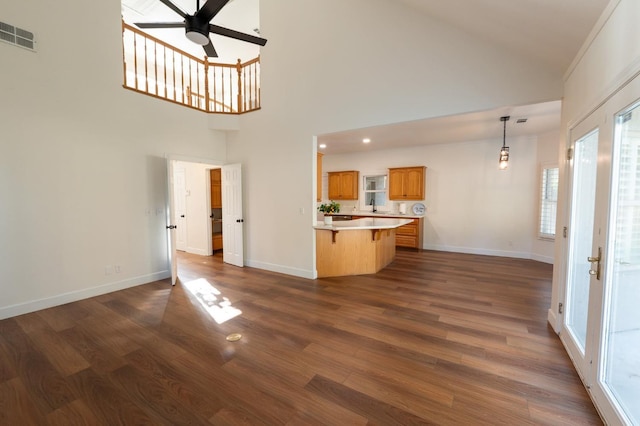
(117, 269)
(108, 270)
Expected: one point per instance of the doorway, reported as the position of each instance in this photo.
(199, 226)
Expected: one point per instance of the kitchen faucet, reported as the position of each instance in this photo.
(373, 204)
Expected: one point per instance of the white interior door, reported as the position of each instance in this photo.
(171, 227)
(180, 195)
(232, 218)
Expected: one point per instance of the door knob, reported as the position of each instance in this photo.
(596, 260)
(172, 226)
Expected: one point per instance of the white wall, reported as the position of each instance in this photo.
(335, 65)
(83, 169)
(472, 206)
(610, 57)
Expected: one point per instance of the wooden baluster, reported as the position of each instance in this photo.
(146, 60)
(173, 61)
(206, 84)
(135, 59)
(241, 106)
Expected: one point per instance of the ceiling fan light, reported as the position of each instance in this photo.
(196, 31)
(197, 38)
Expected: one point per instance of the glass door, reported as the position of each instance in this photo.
(583, 189)
(619, 372)
(601, 322)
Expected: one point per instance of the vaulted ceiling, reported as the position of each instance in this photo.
(550, 32)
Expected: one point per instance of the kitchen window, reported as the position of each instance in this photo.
(548, 202)
(375, 190)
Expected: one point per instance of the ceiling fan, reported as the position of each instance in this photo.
(197, 26)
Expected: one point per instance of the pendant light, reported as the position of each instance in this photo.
(504, 151)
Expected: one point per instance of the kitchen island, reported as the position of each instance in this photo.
(355, 247)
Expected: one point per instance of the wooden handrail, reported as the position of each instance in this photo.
(155, 68)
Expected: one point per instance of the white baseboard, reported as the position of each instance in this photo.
(552, 318)
(73, 296)
(296, 272)
(543, 259)
(199, 251)
(481, 251)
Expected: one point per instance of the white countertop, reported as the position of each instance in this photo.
(365, 223)
(378, 214)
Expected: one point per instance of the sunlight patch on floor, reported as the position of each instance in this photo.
(211, 299)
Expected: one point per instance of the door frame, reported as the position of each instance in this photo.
(169, 201)
(624, 95)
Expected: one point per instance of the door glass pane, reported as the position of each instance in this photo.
(620, 370)
(585, 163)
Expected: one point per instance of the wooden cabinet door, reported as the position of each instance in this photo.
(348, 182)
(216, 189)
(396, 184)
(414, 183)
(343, 185)
(335, 186)
(406, 183)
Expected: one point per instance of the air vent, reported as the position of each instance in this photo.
(521, 120)
(17, 36)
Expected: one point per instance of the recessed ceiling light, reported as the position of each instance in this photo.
(366, 140)
(322, 145)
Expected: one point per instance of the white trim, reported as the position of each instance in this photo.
(595, 31)
(554, 321)
(543, 259)
(74, 296)
(481, 251)
(199, 251)
(296, 272)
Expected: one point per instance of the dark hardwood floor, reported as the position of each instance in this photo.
(435, 338)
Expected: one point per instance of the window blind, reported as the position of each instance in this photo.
(548, 202)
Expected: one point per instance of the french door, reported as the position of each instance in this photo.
(601, 320)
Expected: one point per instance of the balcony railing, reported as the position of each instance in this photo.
(158, 69)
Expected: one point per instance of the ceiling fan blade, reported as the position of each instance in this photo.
(210, 9)
(210, 50)
(173, 7)
(159, 24)
(237, 35)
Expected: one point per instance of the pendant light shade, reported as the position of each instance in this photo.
(504, 151)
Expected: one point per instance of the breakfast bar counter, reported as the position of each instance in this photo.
(355, 247)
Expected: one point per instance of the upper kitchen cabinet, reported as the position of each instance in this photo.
(343, 185)
(407, 183)
(319, 176)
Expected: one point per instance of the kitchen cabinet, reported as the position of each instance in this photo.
(216, 189)
(410, 235)
(319, 176)
(217, 241)
(343, 185)
(407, 183)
